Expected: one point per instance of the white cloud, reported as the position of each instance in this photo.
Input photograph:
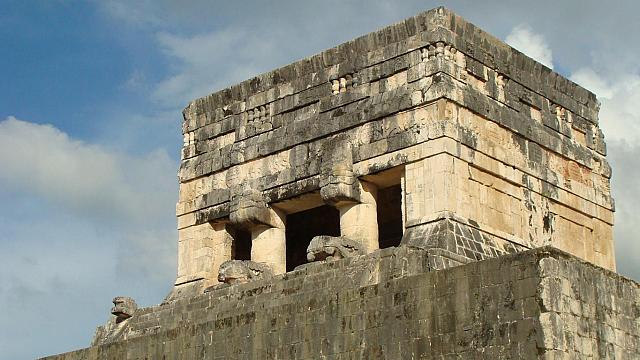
(618, 90)
(81, 223)
(136, 81)
(138, 12)
(207, 62)
(43, 160)
(619, 96)
(131, 198)
(534, 45)
(626, 190)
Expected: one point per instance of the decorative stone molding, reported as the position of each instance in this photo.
(331, 248)
(438, 49)
(189, 138)
(501, 82)
(242, 271)
(444, 51)
(561, 113)
(343, 83)
(259, 113)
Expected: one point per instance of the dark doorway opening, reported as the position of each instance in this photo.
(241, 246)
(303, 226)
(390, 216)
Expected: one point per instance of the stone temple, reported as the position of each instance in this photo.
(421, 192)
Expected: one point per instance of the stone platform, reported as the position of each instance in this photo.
(538, 304)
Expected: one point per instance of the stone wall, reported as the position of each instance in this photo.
(464, 123)
(538, 304)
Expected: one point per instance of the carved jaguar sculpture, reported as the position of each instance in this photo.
(242, 271)
(117, 327)
(330, 248)
(123, 307)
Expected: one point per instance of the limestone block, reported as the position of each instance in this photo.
(482, 131)
(431, 187)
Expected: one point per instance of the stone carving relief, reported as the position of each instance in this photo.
(259, 113)
(247, 207)
(444, 51)
(343, 83)
(561, 113)
(123, 308)
(189, 138)
(329, 248)
(115, 329)
(501, 82)
(242, 271)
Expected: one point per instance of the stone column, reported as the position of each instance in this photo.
(201, 250)
(249, 211)
(359, 221)
(355, 199)
(269, 243)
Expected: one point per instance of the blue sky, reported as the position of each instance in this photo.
(90, 112)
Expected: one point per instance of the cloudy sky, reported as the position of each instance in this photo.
(90, 129)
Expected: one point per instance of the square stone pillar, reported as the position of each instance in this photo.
(359, 221)
(201, 250)
(268, 243)
(250, 212)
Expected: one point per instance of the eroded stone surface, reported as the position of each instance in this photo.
(249, 209)
(338, 182)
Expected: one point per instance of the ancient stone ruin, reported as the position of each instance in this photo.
(421, 191)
